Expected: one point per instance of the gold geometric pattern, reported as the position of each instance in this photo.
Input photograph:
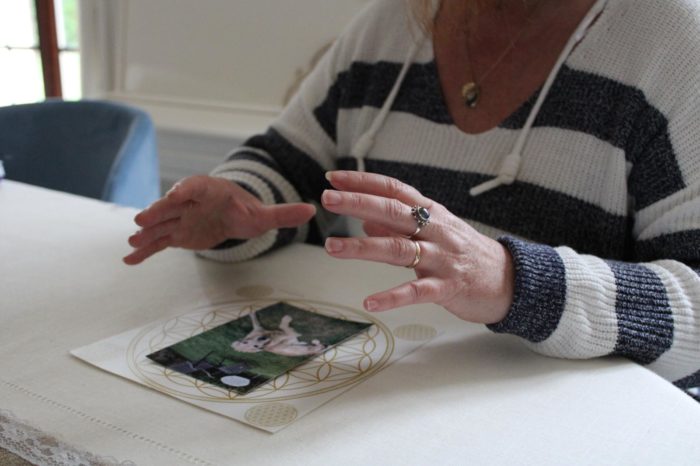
(415, 332)
(346, 364)
(271, 414)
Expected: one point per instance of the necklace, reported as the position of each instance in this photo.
(471, 90)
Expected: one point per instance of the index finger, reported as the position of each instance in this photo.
(172, 204)
(378, 185)
(162, 210)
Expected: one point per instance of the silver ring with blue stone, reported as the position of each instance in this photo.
(422, 218)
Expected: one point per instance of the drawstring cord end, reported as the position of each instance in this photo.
(485, 186)
(506, 175)
(360, 149)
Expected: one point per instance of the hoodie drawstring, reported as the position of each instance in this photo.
(510, 166)
(366, 140)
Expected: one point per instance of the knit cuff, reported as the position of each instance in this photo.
(540, 291)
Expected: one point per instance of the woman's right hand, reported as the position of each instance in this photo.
(200, 212)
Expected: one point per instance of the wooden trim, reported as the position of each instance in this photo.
(48, 45)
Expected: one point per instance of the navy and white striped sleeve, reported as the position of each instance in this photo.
(646, 308)
(578, 306)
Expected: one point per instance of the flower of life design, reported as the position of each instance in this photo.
(341, 366)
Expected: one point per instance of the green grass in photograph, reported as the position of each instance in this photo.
(214, 346)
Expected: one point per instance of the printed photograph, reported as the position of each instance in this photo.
(244, 353)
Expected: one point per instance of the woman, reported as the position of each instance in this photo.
(548, 153)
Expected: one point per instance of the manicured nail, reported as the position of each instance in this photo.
(371, 305)
(334, 245)
(337, 176)
(331, 197)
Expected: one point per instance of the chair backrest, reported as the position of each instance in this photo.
(96, 149)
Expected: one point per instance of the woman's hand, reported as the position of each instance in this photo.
(460, 269)
(200, 212)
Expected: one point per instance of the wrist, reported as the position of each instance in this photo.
(507, 285)
(539, 293)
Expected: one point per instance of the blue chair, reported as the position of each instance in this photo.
(97, 149)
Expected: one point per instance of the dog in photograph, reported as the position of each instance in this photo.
(283, 341)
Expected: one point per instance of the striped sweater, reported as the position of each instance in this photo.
(603, 219)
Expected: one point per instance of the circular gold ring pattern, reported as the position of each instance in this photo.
(344, 365)
(271, 414)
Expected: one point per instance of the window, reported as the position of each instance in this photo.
(67, 31)
(39, 50)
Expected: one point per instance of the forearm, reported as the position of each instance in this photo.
(577, 306)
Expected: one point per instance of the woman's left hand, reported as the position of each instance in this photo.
(458, 268)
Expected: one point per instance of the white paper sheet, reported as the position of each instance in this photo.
(281, 401)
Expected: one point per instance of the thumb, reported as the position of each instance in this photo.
(286, 215)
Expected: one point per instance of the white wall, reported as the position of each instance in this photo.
(210, 72)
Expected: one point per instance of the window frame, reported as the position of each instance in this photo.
(48, 48)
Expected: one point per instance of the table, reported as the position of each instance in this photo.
(467, 397)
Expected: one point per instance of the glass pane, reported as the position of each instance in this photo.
(70, 74)
(67, 24)
(24, 83)
(18, 24)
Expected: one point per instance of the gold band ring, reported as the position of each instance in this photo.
(416, 259)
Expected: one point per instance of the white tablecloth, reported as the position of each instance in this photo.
(468, 397)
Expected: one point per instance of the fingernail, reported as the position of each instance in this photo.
(371, 305)
(334, 245)
(336, 176)
(331, 197)
(133, 238)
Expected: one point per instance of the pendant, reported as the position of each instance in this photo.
(471, 93)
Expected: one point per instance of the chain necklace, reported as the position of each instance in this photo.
(471, 90)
